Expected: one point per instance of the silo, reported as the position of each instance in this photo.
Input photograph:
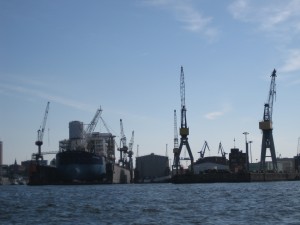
(75, 130)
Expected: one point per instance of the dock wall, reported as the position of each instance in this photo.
(257, 177)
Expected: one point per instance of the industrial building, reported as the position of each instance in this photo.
(284, 165)
(151, 167)
(237, 160)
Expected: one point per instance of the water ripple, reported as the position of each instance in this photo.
(245, 203)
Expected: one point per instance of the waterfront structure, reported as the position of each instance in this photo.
(210, 163)
(237, 161)
(151, 166)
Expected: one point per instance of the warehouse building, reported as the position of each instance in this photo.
(152, 168)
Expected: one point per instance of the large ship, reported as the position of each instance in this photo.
(87, 157)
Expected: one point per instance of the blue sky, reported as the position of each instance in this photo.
(126, 57)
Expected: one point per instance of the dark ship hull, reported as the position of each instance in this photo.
(81, 166)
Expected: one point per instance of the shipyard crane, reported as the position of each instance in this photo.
(184, 130)
(202, 152)
(267, 126)
(175, 149)
(123, 145)
(130, 154)
(40, 134)
(223, 153)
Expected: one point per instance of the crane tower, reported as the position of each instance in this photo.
(176, 147)
(184, 130)
(130, 154)
(123, 146)
(267, 127)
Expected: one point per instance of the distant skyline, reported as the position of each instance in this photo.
(125, 56)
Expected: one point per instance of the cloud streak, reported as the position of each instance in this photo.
(292, 62)
(185, 12)
(278, 20)
(44, 95)
(269, 15)
(216, 114)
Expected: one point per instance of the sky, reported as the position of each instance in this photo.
(125, 56)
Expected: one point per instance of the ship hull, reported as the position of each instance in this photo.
(80, 166)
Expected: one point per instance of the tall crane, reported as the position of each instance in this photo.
(123, 144)
(184, 130)
(130, 154)
(267, 127)
(40, 134)
(175, 149)
(202, 152)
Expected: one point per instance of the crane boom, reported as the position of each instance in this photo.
(182, 88)
(130, 145)
(182, 94)
(91, 127)
(268, 110)
(123, 137)
(42, 127)
(40, 135)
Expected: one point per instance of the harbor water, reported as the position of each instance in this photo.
(218, 203)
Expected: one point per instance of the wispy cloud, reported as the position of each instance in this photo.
(269, 15)
(214, 115)
(186, 13)
(49, 97)
(292, 62)
(276, 19)
(218, 113)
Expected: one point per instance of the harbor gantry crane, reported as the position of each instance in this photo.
(202, 152)
(123, 146)
(267, 127)
(184, 130)
(40, 135)
(130, 154)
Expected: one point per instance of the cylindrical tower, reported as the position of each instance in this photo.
(75, 130)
